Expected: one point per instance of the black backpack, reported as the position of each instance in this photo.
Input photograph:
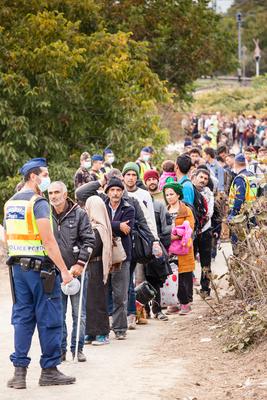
(199, 209)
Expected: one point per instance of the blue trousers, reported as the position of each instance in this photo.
(34, 307)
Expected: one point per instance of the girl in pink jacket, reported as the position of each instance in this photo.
(168, 172)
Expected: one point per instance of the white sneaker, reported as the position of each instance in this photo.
(131, 322)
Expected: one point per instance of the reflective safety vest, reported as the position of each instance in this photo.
(22, 233)
(251, 190)
(143, 166)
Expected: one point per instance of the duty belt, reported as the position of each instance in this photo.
(27, 263)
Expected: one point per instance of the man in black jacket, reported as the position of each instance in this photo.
(96, 188)
(122, 217)
(76, 240)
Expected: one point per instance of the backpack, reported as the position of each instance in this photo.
(164, 238)
(199, 209)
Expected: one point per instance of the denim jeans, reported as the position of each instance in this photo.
(75, 307)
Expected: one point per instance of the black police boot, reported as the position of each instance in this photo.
(52, 376)
(19, 379)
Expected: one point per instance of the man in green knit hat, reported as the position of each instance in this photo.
(130, 174)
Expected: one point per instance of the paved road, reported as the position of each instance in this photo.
(127, 370)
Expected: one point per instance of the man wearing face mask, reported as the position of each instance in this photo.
(82, 174)
(109, 159)
(143, 161)
(35, 262)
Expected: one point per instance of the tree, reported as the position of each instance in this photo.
(63, 91)
(185, 37)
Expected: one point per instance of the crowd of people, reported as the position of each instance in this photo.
(127, 231)
(217, 129)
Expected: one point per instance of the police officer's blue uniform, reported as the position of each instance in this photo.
(33, 304)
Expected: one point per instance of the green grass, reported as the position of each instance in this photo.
(234, 100)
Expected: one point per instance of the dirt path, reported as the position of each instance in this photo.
(173, 360)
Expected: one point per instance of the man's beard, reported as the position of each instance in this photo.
(153, 188)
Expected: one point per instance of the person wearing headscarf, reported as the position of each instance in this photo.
(173, 194)
(97, 319)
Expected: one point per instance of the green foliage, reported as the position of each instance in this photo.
(186, 39)
(254, 26)
(64, 91)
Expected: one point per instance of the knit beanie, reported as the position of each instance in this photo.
(114, 182)
(174, 186)
(151, 173)
(130, 166)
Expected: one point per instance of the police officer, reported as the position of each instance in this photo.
(109, 159)
(33, 254)
(144, 161)
(244, 187)
(243, 191)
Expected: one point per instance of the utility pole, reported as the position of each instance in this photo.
(239, 24)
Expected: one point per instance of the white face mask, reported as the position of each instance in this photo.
(111, 159)
(87, 164)
(45, 183)
(146, 157)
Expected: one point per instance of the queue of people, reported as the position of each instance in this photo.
(126, 228)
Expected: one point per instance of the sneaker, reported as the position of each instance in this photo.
(80, 356)
(131, 322)
(88, 339)
(161, 316)
(172, 310)
(142, 321)
(195, 282)
(185, 309)
(100, 340)
(120, 335)
(205, 294)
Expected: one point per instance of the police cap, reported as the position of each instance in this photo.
(33, 163)
(240, 158)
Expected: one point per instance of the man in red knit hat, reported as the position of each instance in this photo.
(151, 179)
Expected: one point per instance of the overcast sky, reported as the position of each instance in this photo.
(223, 5)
